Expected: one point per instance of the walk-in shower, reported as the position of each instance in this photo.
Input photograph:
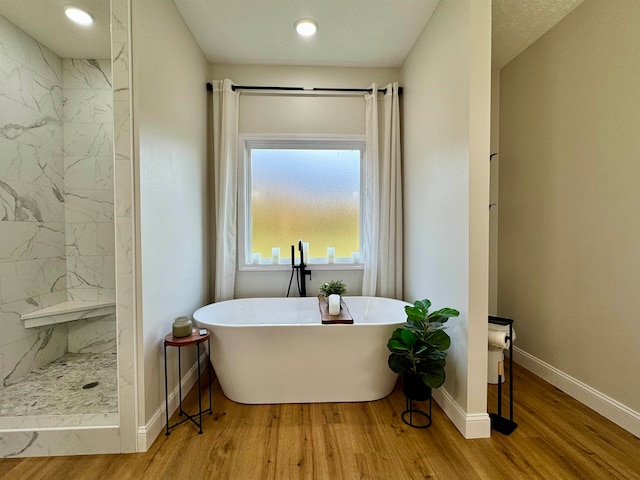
(57, 274)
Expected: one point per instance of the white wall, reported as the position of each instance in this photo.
(170, 105)
(300, 115)
(446, 80)
(569, 197)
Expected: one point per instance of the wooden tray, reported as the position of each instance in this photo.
(344, 317)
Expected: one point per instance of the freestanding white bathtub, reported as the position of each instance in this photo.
(276, 350)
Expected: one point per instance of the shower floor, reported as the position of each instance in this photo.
(56, 389)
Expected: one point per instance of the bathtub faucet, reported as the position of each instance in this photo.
(302, 270)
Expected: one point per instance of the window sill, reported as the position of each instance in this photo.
(269, 267)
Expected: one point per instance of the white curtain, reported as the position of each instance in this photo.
(370, 195)
(382, 216)
(225, 186)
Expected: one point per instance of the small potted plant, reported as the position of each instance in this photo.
(334, 287)
(418, 349)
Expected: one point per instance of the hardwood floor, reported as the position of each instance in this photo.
(556, 438)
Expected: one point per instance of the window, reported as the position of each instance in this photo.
(300, 188)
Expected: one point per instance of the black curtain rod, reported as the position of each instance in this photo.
(304, 89)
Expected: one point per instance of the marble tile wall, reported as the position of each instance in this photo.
(92, 335)
(125, 221)
(88, 179)
(32, 233)
(56, 235)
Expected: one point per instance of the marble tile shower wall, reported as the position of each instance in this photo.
(32, 264)
(34, 272)
(88, 179)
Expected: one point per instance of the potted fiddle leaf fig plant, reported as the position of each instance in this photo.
(418, 349)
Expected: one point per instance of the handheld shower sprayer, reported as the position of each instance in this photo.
(301, 270)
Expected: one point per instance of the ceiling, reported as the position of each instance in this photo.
(360, 33)
(516, 24)
(45, 21)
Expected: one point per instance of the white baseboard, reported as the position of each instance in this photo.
(606, 406)
(471, 425)
(148, 433)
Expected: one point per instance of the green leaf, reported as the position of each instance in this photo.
(394, 345)
(431, 359)
(409, 338)
(434, 379)
(421, 350)
(433, 326)
(414, 313)
(440, 340)
(440, 319)
(397, 334)
(398, 364)
(423, 304)
(445, 312)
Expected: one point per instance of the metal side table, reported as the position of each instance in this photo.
(194, 339)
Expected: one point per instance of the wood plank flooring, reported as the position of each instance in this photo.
(556, 438)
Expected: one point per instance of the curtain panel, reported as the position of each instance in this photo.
(382, 216)
(225, 186)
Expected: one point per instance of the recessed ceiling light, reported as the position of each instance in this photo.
(79, 16)
(306, 27)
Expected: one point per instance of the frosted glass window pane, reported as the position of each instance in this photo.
(313, 195)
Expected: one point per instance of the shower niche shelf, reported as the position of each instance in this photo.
(67, 312)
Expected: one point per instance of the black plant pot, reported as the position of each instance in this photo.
(414, 388)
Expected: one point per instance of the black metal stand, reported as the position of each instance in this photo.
(498, 422)
(410, 412)
(193, 339)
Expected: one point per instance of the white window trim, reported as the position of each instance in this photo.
(287, 141)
